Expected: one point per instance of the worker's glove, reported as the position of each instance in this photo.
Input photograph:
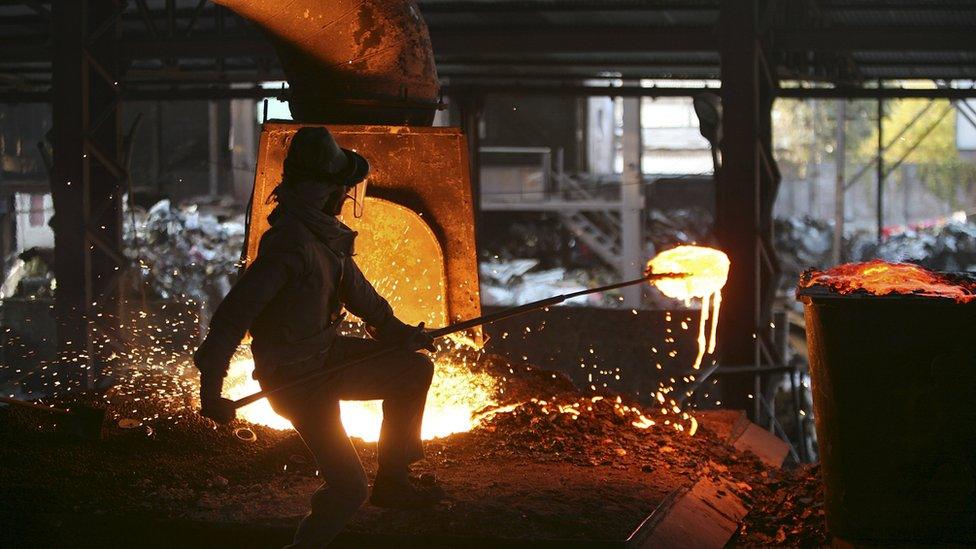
(396, 333)
(416, 338)
(212, 405)
(221, 410)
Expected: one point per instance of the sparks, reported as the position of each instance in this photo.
(454, 402)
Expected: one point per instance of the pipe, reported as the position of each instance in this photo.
(351, 61)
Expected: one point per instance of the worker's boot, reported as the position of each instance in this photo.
(404, 492)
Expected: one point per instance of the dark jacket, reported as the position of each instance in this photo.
(290, 299)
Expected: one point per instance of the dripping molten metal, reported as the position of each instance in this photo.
(708, 271)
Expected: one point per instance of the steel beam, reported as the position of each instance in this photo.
(864, 39)
(521, 6)
(198, 48)
(484, 63)
(465, 41)
(471, 109)
(195, 94)
(569, 90)
(840, 158)
(167, 94)
(874, 93)
(592, 40)
(458, 85)
(894, 5)
(632, 203)
(86, 182)
(880, 171)
(540, 73)
(529, 205)
(746, 190)
(213, 148)
(481, 41)
(175, 93)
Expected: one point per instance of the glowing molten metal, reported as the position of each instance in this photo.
(881, 278)
(707, 270)
(454, 404)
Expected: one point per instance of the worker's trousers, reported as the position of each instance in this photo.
(401, 380)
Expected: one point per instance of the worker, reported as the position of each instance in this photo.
(291, 299)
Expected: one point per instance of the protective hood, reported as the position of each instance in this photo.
(329, 230)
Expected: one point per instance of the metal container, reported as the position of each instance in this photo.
(894, 379)
(420, 178)
(351, 61)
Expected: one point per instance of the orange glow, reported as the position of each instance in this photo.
(398, 252)
(882, 278)
(708, 271)
(455, 403)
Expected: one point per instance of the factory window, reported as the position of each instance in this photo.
(36, 216)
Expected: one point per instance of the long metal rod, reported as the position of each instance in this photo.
(967, 111)
(453, 328)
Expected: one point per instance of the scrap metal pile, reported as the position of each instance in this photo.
(179, 252)
(805, 242)
(196, 467)
(186, 251)
(542, 414)
(949, 248)
(679, 226)
(517, 282)
(786, 510)
(801, 242)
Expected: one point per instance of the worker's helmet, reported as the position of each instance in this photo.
(315, 157)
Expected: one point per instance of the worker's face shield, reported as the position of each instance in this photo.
(357, 194)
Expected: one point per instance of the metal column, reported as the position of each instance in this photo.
(87, 183)
(470, 109)
(632, 202)
(840, 156)
(747, 186)
(880, 167)
(213, 145)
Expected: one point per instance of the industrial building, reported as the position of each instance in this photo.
(756, 218)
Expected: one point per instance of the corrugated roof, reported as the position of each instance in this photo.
(907, 18)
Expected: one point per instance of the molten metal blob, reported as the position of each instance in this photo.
(707, 270)
(882, 278)
(455, 402)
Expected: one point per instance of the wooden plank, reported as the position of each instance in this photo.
(769, 448)
(744, 435)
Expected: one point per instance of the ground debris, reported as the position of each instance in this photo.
(550, 460)
(786, 509)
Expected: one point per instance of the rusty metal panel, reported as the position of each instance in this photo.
(351, 61)
(424, 170)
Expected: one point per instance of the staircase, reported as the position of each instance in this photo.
(599, 230)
